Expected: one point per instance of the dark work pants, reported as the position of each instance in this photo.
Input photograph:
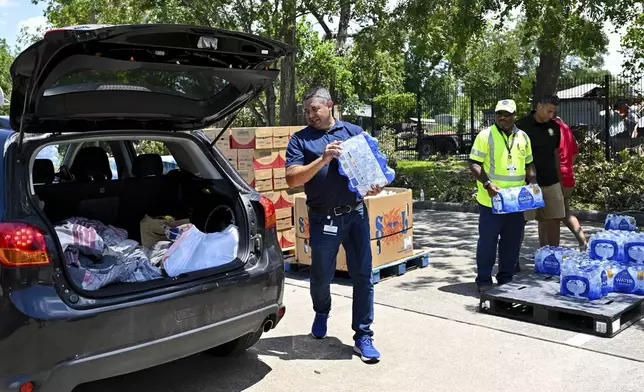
(354, 234)
(503, 231)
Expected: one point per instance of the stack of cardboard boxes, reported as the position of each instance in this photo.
(390, 220)
(259, 154)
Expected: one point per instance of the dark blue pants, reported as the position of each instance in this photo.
(506, 230)
(354, 234)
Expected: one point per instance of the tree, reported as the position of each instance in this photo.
(6, 59)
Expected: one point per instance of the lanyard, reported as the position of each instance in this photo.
(508, 143)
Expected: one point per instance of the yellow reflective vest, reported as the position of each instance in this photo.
(503, 158)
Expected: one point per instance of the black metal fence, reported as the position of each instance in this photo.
(605, 114)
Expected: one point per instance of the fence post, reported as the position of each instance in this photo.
(419, 137)
(607, 115)
(373, 116)
(472, 115)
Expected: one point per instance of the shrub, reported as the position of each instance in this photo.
(447, 180)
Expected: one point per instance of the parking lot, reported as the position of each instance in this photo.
(429, 331)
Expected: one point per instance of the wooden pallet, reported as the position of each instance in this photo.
(419, 259)
(536, 299)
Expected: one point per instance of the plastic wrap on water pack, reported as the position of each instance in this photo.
(362, 163)
(618, 245)
(620, 222)
(583, 279)
(517, 199)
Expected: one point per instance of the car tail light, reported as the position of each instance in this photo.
(270, 220)
(22, 245)
(27, 387)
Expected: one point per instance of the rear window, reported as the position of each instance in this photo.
(193, 84)
(159, 148)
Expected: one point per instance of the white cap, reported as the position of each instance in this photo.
(507, 105)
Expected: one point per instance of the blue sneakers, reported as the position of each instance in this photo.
(364, 347)
(319, 326)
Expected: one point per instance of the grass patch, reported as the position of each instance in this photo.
(446, 180)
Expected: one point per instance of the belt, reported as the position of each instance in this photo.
(336, 211)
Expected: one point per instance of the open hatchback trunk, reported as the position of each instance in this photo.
(151, 77)
(99, 89)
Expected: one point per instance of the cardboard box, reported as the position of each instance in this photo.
(245, 159)
(281, 159)
(280, 141)
(231, 155)
(279, 173)
(283, 213)
(303, 254)
(284, 224)
(248, 176)
(383, 251)
(242, 138)
(280, 183)
(264, 185)
(281, 131)
(263, 138)
(286, 199)
(265, 159)
(263, 174)
(275, 197)
(288, 238)
(293, 130)
(391, 248)
(390, 214)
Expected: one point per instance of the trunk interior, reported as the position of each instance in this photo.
(137, 205)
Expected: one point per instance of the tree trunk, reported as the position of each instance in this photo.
(287, 73)
(271, 100)
(548, 73)
(343, 26)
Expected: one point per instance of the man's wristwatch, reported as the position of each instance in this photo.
(486, 184)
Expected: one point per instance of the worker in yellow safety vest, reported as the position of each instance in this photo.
(501, 157)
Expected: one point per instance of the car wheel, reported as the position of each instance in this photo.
(237, 346)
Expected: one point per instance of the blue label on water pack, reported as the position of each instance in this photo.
(634, 252)
(624, 282)
(604, 250)
(525, 199)
(623, 225)
(551, 265)
(575, 286)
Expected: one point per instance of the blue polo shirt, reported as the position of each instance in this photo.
(328, 188)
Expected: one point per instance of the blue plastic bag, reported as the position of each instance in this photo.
(363, 164)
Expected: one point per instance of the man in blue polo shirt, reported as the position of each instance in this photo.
(336, 216)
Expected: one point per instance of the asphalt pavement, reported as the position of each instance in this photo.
(429, 331)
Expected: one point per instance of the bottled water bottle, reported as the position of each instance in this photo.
(607, 245)
(626, 280)
(422, 195)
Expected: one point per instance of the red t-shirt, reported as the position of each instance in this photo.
(567, 149)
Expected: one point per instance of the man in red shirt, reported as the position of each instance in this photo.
(568, 152)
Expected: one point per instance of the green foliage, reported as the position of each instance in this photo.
(150, 147)
(446, 180)
(391, 108)
(6, 59)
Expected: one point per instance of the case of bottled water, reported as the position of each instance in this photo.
(363, 164)
(583, 279)
(547, 260)
(518, 199)
(629, 279)
(634, 248)
(608, 245)
(620, 222)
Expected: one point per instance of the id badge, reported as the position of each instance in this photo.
(330, 229)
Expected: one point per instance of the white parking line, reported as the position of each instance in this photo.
(579, 340)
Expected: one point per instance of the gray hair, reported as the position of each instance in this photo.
(321, 93)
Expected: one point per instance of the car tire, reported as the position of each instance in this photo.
(238, 346)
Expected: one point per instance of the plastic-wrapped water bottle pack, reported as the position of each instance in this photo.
(548, 259)
(617, 245)
(362, 163)
(583, 278)
(517, 199)
(620, 222)
(628, 279)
